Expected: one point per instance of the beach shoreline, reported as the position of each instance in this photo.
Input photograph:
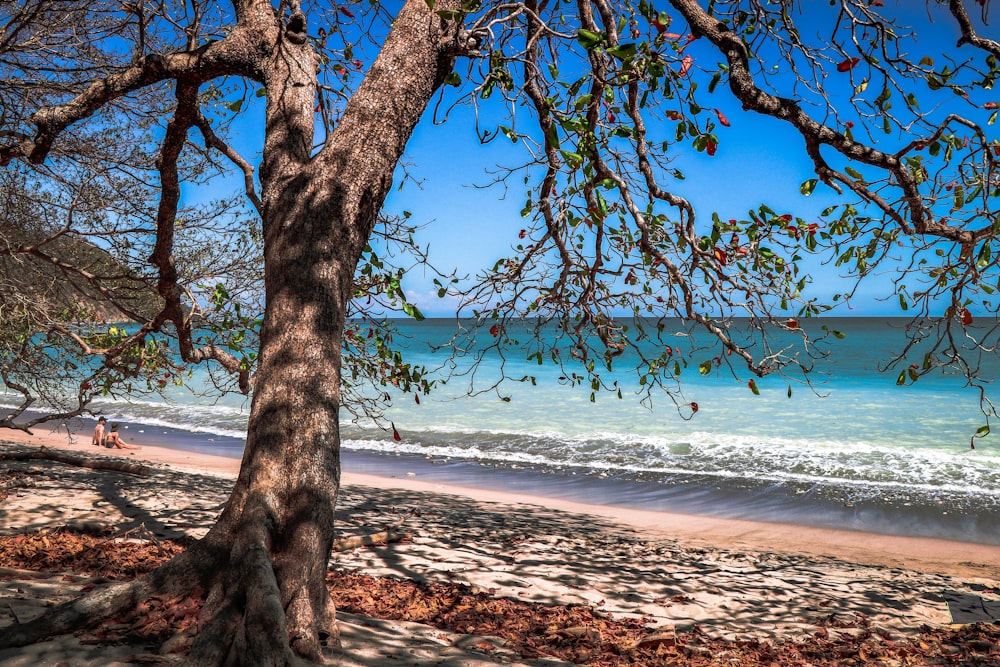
(729, 579)
(936, 514)
(944, 556)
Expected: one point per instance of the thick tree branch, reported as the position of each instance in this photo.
(211, 60)
(741, 82)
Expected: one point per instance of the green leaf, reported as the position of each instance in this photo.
(554, 135)
(714, 82)
(509, 133)
(623, 51)
(450, 14)
(413, 311)
(453, 79)
(705, 367)
(807, 187)
(236, 106)
(985, 254)
(901, 380)
(572, 159)
(753, 387)
(588, 39)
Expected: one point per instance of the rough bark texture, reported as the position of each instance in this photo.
(318, 212)
(262, 567)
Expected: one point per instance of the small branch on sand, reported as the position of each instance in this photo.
(376, 539)
(14, 480)
(44, 453)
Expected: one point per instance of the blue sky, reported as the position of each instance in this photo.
(467, 228)
(759, 161)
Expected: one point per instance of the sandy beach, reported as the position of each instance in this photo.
(730, 578)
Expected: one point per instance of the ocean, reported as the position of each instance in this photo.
(854, 451)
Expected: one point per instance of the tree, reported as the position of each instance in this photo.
(609, 232)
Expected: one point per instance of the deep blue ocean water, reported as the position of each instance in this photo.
(856, 451)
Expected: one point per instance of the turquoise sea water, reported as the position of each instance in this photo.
(856, 451)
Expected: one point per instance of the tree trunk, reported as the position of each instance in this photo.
(272, 603)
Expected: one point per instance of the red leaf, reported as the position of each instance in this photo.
(966, 316)
(395, 433)
(416, 397)
(694, 407)
(711, 146)
(722, 119)
(991, 105)
(495, 330)
(346, 12)
(720, 256)
(848, 64)
(686, 63)
(521, 234)
(792, 323)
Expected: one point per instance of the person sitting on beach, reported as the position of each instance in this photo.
(99, 432)
(114, 440)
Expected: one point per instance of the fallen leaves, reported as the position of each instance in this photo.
(122, 557)
(576, 633)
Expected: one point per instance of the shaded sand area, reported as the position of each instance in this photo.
(729, 578)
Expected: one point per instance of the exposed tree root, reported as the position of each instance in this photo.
(94, 607)
(248, 618)
(96, 463)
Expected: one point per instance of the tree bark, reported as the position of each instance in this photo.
(272, 605)
(46, 454)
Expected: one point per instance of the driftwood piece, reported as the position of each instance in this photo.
(96, 463)
(376, 540)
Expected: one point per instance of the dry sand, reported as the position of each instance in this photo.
(731, 578)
